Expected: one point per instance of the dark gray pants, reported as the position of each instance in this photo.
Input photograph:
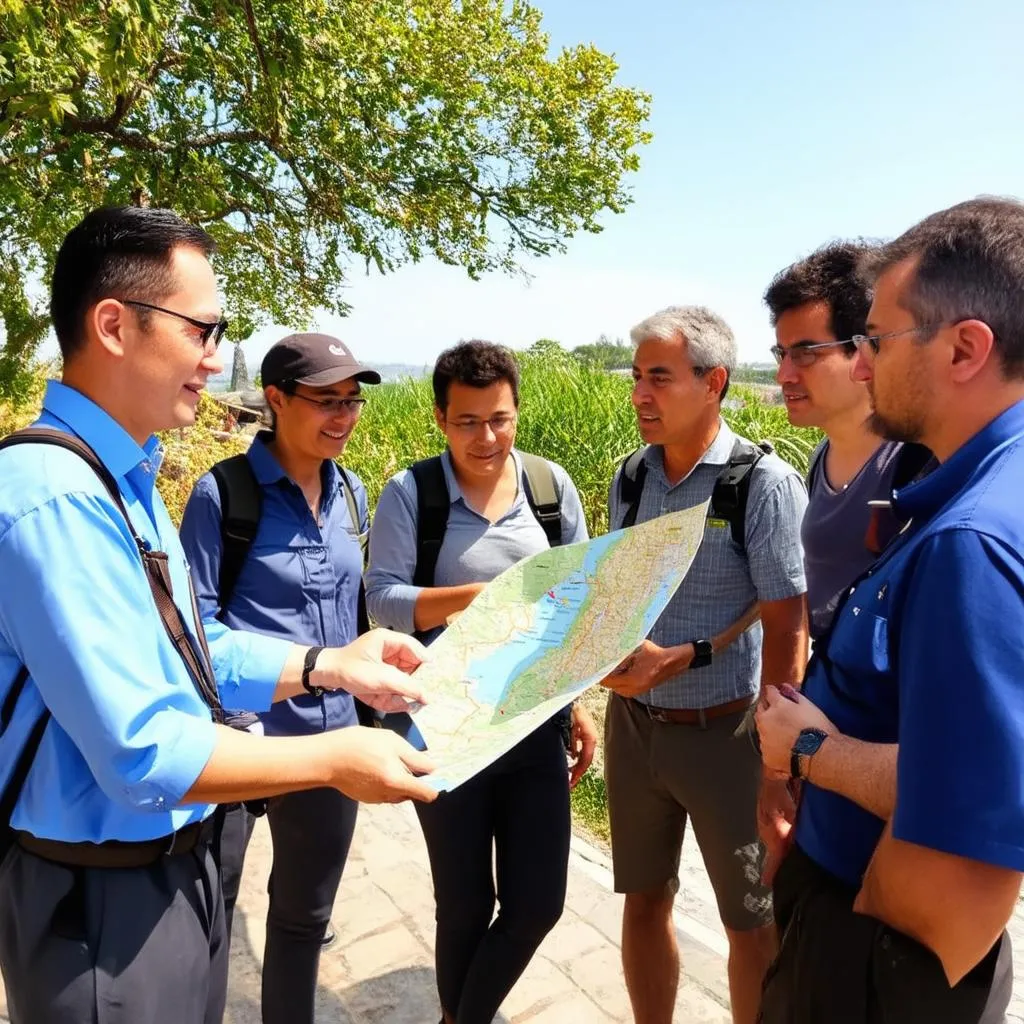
(113, 946)
(311, 832)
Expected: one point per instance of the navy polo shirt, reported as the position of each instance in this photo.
(300, 581)
(928, 651)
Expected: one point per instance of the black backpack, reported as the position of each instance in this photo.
(241, 505)
(433, 502)
(728, 499)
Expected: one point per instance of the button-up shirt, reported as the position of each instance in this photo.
(723, 581)
(130, 734)
(927, 651)
(300, 581)
(474, 550)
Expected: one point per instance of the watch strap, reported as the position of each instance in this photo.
(702, 653)
(308, 664)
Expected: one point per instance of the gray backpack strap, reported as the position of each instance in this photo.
(363, 536)
(542, 495)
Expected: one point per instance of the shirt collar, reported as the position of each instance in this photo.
(116, 448)
(927, 496)
(268, 470)
(718, 452)
(455, 491)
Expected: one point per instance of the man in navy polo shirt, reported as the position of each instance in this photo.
(909, 738)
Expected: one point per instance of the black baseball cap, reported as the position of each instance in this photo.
(313, 359)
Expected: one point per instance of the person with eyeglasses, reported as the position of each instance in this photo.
(299, 579)
(515, 813)
(113, 749)
(908, 734)
(817, 305)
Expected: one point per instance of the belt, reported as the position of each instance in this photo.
(114, 853)
(694, 716)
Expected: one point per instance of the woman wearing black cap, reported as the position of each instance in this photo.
(274, 540)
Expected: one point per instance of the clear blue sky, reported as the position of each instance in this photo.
(778, 124)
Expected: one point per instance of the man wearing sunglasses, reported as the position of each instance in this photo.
(909, 844)
(299, 578)
(113, 750)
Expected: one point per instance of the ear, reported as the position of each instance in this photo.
(439, 418)
(715, 379)
(106, 321)
(275, 397)
(971, 345)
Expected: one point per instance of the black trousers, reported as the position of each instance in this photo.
(515, 814)
(311, 833)
(838, 967)
(113, 946)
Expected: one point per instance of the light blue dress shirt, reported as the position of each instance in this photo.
(129, 734)
(300, 581)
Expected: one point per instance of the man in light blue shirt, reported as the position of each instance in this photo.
(109, 892)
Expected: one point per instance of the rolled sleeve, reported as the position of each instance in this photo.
(247, 665)
(390, 595)
(84, 629)
(960, 773)
(775, 554)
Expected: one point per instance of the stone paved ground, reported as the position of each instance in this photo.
(380, 969)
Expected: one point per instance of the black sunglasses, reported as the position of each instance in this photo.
(211, 332)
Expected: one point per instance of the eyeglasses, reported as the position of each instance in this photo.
(497, 424)
(804, 353)
(210, 332)
(873, 341)
(330, 406)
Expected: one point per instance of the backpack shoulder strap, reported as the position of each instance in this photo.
(241, 505)
(732, 488)
(815, 461)
(542, 494)
(433, 502)
(910, 462)
(363, 536)
(631, 484)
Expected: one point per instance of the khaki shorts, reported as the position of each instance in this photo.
(660, 774)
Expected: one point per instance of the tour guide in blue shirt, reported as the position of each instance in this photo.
(300, 580)
(110, 905)
(909, 842)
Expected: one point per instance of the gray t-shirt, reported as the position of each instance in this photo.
(836, 526)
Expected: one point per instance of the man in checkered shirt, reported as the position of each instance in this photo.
(675, 749)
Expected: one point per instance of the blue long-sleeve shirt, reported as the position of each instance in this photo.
(300, 580)
(129, 734)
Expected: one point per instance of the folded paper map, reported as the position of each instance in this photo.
(544, 631)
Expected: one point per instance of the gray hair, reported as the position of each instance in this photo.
(969, 266)
(708, 337)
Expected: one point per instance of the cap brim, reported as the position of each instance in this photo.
(339, 373)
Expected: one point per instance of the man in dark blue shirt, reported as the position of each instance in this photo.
(909, 735)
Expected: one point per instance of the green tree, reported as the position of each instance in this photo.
(306, 135)
(605, 353)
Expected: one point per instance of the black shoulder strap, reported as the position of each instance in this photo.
(631, 484)
(363, 536)
(910, 462)
(241, 505)
(732, 488)
(542, 495)
(433, 503)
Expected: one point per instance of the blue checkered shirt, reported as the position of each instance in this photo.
(723, 582)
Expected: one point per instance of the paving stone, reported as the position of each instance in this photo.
(388, 950)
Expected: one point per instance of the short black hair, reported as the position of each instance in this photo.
(831, 274)
(477, 364)
(969, 266)
(116, 252)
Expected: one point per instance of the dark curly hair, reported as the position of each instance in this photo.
(477, 364)
(831, 274)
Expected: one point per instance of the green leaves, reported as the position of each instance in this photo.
(311, 134)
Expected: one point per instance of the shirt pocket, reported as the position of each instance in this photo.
(858, 650)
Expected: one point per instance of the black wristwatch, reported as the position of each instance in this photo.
(307, 666)
(808, 742)
(702, 653)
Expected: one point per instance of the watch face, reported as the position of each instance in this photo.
(809, 741)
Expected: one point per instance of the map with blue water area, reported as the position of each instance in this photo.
(544, 631)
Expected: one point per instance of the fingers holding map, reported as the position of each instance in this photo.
(543, 632)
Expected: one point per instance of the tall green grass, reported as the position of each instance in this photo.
(575, 415)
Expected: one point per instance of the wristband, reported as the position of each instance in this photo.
(307, 666)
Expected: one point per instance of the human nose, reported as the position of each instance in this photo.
(862, 369)
(787, 372)
(212, 361)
